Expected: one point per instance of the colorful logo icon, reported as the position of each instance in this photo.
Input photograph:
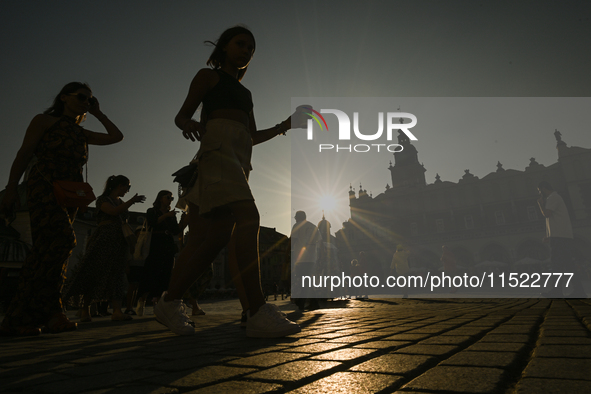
(311, 114)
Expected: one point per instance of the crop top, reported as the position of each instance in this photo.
(227, 93)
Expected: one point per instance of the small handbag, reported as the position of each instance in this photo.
(187, 175)
(70, 194)
(73, 194)
(142, 247)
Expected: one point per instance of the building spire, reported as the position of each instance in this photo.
(558, 136)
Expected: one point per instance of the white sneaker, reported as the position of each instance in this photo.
(139, 310)
(274, 306)
(268, 322)
(172, 314)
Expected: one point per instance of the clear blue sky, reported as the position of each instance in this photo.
(139, 57)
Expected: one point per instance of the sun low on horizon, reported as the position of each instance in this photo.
(327, 203)
(333, 208)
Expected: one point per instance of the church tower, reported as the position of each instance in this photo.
(407, 171)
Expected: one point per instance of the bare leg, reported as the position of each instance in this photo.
(198, 228)
(196, 309)
(235, 273)
(131, 293)
(246, 236)
(116, 308)
(117, 312)
(206, 238)
(85, 310)
(193, 303)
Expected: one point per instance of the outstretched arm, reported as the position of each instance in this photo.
(259, 136)
(113, 210)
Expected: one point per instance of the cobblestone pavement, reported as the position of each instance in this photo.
(370, 346)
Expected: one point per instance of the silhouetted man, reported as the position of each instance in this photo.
(559, 233)
(304, 244)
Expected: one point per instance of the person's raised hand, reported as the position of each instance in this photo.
(138, 198)
(193, 130)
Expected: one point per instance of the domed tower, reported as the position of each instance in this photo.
(324, 228)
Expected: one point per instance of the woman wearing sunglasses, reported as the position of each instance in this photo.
(59, 145)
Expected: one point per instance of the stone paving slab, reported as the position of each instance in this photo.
(349, 382)
(459, 379)
(400, 364)
(295, 371)
(559, 368)
(239, 387)
(360, 346)
(552, 386)
(429, 350)
(503, 360)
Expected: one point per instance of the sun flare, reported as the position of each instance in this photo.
(327, 203)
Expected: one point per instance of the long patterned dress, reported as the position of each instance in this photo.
(101, 273)
(61, 154)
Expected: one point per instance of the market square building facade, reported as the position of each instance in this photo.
(495, 218)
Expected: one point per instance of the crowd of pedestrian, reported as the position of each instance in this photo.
(219, 209)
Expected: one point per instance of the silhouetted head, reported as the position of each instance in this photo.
(114, 181)
(57, 108)
(162, 194)
(545, 188)
(218, 56)
(300, 216)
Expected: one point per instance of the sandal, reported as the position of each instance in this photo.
(197, 312)
(20, 331)
(59, 323)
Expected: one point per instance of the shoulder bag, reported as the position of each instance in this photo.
(142, 247)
